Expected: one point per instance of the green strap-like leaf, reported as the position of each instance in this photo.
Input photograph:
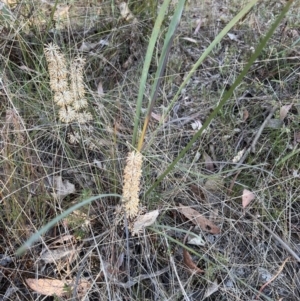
(149, 54)
(227, 95)
(53, 222)
(162, 65)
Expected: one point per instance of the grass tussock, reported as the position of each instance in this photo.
(71, 75)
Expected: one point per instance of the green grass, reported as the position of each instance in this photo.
(215, 80)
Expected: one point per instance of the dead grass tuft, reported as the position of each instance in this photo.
(96, 67)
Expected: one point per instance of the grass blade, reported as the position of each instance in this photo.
(52, 223)
(162, 65)
(208, 50)
(227, 95)
(148, 58)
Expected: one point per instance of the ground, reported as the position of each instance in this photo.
(241, 176)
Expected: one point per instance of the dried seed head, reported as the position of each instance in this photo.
(80, 104)
(67, 114)
(63, 98)
(76, 76)
(84, 117)
(70, 98)
(57, 67)
(131, 186)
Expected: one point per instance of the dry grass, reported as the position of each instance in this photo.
(35, 150)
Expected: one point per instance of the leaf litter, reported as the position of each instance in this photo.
(59, 288)
(198, 219)
(188, 261)
(284, 111)
(247, 197)
(62, 188)
(125, 17)
(145, 220)
(212, 288)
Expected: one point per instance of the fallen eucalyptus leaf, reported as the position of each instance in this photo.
(48, 287)
(284, 111)
(196, 240)
(247, 197)
(198, 219)
(188, 261)
(62, 188)
(59, 288)
(145, 220)
(212, 288)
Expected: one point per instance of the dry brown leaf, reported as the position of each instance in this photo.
(100, 89)
(145, 220)
(247, 197)
(212, 288)
(188, 261)
(199, 219)
(48, 287)
(208, 162)
(62, 188)
(245, 115)
(284, 110)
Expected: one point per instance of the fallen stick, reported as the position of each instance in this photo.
(272, 279)
(275, 236)
(251, 148)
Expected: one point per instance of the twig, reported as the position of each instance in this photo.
(139, 278)
(253, 144)
(280, 240)
(258, 134)
(272, 279)
(127, 244)
(186, 298)
(232, 182)
(275, 236)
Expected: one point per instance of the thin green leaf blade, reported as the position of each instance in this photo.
(53, 222)
(227, 95)
(148, 58)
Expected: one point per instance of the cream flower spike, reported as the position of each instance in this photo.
(131, 186)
